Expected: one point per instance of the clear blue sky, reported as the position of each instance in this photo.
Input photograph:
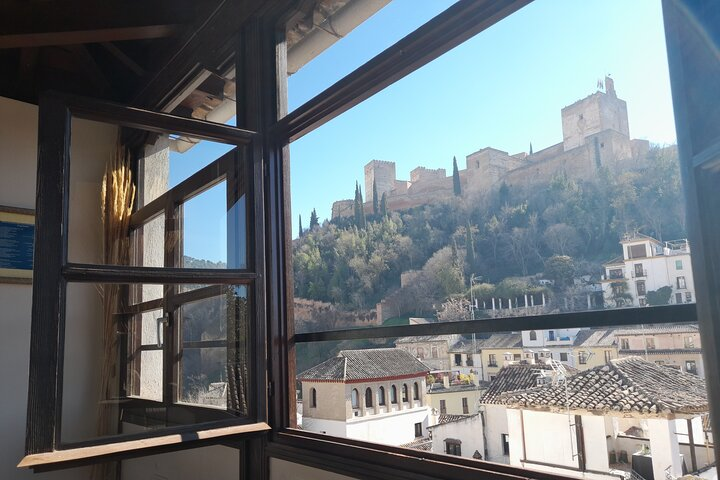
(504, 88)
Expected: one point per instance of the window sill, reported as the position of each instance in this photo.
(135, 448)
(360, 459)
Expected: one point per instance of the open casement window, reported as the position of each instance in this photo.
(173, 343)
(698, 127)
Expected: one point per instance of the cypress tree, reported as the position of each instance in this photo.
(361, 207)
(300, 230)
(376, 208)
(314, 219)
(356, 208)
(456, 178)
(531, 152)
(383, 205)
(470, 247)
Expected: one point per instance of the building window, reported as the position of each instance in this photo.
(443, 407)
(563, 356)
(551, 335)
(689, 342)
(434, 352)
(681, 283)
(313, 398)
(637, 251)
(691, 367)
(678, 265)
(650, 343)
(624, 344)
(492, 360)
(608, 356)
(420, 353)
(615, 274)
(505, 439)
(642, 302)
(517, 357)
(381, 396)
(404, 392)
(678, 298)
(533, 335)
(418, 430)
(368, 398)
(416, 391)
(458, 360)
(355, 398)
(582, 357)
(469, 360)
(452, 447)
(393, 394)
(465, 407)
(640, 285)
(688, 297)
(639, 270)
(492, 377)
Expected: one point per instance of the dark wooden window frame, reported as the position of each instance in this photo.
(44, 448)
(371, 460)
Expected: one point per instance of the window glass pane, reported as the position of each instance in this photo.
(214, 349)
(154, 164)
(484, 407)
(123, 374)
(537, 194)
(325, 43)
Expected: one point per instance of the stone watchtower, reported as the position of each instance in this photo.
(383, 173)
(593, 114)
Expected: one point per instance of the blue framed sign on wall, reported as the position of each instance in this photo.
(17, 235)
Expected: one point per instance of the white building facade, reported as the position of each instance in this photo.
(648, 265)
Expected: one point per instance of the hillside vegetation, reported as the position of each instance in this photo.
(561, 229)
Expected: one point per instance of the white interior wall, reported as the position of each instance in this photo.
(18, 164)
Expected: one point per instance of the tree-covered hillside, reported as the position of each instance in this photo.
(508, 232)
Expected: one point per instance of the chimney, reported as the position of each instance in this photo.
(610, 86)
(446, 381)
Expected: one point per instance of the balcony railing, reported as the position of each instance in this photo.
(639, 274)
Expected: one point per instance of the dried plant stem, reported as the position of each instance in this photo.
(117, 198)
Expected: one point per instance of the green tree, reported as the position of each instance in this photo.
(300, 229)
(561, 270)
(661, 296)
(531, 150)
(359, 208)
(619, 294)
(383, 205)
(456, 178)
(314, 220)
(376, 206)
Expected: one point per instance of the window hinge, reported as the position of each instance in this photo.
(271, 389)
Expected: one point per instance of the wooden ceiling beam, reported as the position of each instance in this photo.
(28, 40)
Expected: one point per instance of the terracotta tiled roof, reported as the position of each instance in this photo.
(626, 385)
(496, 340)
(659, 351)
(369, 364)
(422, 338)
(595, 338)
(447, 418)
(659, 329)
(423, 443)
(512, 378)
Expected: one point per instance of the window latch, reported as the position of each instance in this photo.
(163, 321)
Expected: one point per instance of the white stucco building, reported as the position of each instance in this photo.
(376, 395)
(578, 426)
(646, 266)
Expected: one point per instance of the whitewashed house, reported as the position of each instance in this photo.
(572, 427)
(376, 395)
(645, 266)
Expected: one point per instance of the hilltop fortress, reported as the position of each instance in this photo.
(595, 134)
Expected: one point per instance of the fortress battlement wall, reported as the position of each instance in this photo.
(596, 134)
